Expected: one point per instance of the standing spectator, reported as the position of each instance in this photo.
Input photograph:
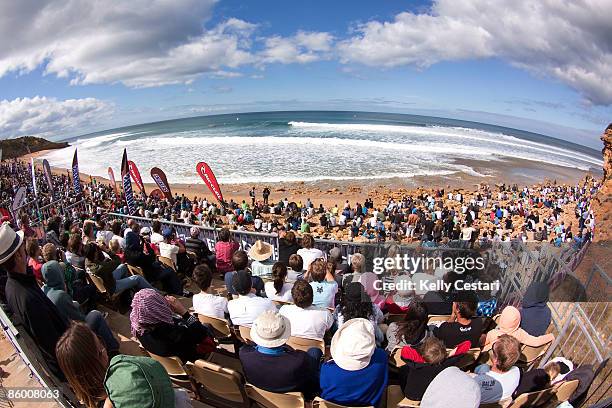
(252, 195)
(266, 195)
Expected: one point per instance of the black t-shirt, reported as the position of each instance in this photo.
(454, 333)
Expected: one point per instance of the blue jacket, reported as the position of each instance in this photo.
(355, 388)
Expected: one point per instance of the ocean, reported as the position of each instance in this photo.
(316, 145)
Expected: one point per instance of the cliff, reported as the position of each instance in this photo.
(12, 148)
(602, 204)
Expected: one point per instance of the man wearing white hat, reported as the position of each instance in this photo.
(357, 375)
(30, 307)
(261, 254)
(285, 369)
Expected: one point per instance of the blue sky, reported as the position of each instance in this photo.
(117, 63)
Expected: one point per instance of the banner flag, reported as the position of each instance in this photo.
(19, 199)
(48, 175)
(162, 182)
(76, 181)
(127, 184)
(157, 193)
(136, 176)
(111, 177)
(210, 180)
(33, 177)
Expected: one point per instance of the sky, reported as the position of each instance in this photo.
(70, 67)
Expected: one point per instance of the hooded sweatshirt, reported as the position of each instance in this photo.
(509, 323)
(535, 314)
(54, 288)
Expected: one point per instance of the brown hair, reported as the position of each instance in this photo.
(317, 270)
(553, 369)
(279, 273)
(433, 350)
(290, 237)
(74, 243)
(296, 262)
(224, 235)
(49, 252)
(302, 294)
(506, 351)
(202, 276)
(307, 241)
(83, 360)
(32, 247)
(240, 260)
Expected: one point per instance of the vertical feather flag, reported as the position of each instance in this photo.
(33, 176)
(136, 176)
(76, 181)
(162, 182)
(210, 180)
(127, 184)
(111, 176)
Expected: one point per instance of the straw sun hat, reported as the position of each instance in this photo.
(261, 251)
(10, 241)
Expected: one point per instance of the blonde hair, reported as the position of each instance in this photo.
(358, 263)
(49, 252)
(114, 246)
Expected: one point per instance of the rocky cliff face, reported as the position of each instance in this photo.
(607, 153)
(12, 148)
(602, 204)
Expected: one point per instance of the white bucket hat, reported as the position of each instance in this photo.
(261, 251)
(271, 329)
(10, 241)
(353, 344)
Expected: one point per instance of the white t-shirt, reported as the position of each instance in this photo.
(285, 294)
(310, 323)
(168, 250)
(495, 386)
(309, 255)
(106, 236)
(210, 305)
(244, 310)
(156, 238)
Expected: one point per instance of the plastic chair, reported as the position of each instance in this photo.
(564, 390)
(396, 398)
(321, 403)
(135, 270)
(437, 318)
(301, 343)
(167, 262)
(530, 355)
(220, 326)
(269, 399)
(532, 399)
(174, 368)
(218, 386)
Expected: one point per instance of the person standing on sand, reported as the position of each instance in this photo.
(252, 195)
(266, 194)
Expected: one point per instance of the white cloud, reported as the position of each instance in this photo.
(302, 48)
(44, 117)
(570, 41)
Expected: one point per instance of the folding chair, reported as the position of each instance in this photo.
(564, 390)
(167, 262)
(301, 343)
(437, 318)
(532, 399)
(499, 404)
(531, 355)
(321, 403)
(280, 303)
(269, 399)
(468, 359)
(220, 327)
(218, 386)
(135, 270)
(395, 398)
(174, 368)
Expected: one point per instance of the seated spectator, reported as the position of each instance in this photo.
(307, 321)
(31, 308)
(261, 254)
(537, 379)
(309, 253)
(139, 253)
(498, 381)
(296, 268)
(287, 246)
(54, 288)
(462, 325)
(279, 289)
(170, 247)
(114, 274)
(509, 323)
(370, 280)
(356, 304)
(335, 255)
(412, 330)
(74, 252)
(286, 369)
(116, 250)
(198, 247)
(324, 285)
(244, 310)
(399, 302)
(535, 314)
(357, 268)
(357, 375)
(123, 382)
(52, 235)
(240, 262)
(88, 232)
(156, 236)
(439, 395)
(224, 249)
(33, 251)
(160, 333)
(441, 302)
(103, 234)
(424, 363)
(205, 303)
(116, 230)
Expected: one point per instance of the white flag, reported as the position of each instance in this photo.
(33, 177)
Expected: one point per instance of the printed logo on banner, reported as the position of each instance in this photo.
(127, 184)
(76, 182)
(210, 180)
(136, 176)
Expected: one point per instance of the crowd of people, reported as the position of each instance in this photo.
(53, 284)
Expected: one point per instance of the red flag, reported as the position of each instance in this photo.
(136, 176)
(162, 182)
(111, 176)
(210, 180)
